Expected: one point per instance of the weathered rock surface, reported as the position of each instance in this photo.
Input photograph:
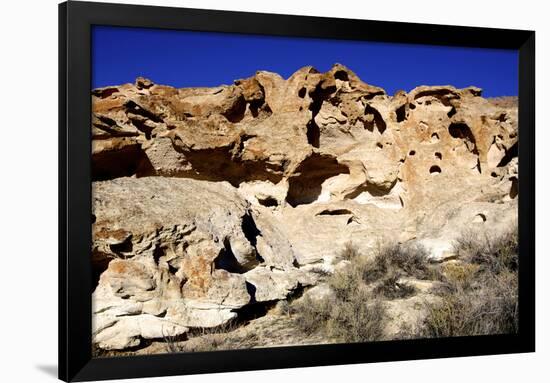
(210, 199)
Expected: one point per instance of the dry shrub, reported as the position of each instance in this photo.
(489, 308)
(391, 288)
(481, 293)
(345, 283)
(458, 275)
(350, 252)
(349, 314)
(313, 314)
(357, 318)
(284, 307)
(492, 254)
(409, 261)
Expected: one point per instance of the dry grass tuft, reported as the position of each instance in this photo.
(223, 337)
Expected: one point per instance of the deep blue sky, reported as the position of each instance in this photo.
(191, 59)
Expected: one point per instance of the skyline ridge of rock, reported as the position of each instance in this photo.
(149, 82)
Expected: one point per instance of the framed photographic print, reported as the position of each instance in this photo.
(246, 191)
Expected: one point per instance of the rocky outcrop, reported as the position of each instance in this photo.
(207, 200)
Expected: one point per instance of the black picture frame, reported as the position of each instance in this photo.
(75, 282)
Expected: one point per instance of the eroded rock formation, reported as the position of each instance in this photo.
(207, 200)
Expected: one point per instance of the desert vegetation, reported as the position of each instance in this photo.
(480, 292)
(354, 309)
(474, 294)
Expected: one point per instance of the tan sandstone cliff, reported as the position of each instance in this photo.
(207, 200)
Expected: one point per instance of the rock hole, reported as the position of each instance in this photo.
(479, 218)
(438, 155)
(173, 270)
(249, 228)
(227, 261)
(256, 309)
(412, 152)
(510, 153)
(502, 117)
(318, 95)
(401, 113)
(379, 145)
(341, 75)
(304, 186)
(100, 263)
(236, 112)
(451, 112)
(372, 95)
(126, 161)
(123, 247)
(412, 106)
(377, 119)
(268, 202)
(434, 169)
(105, 92)
(257, 106)
(220, 164)
(442, 94)
(335, 212)
(313, 133)
(139, 110)
(302, 92)
(251, 289)
(478, 166)
(158, 253)
(462, 131)
(494, 175)
(251, 233)
(435, 137)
